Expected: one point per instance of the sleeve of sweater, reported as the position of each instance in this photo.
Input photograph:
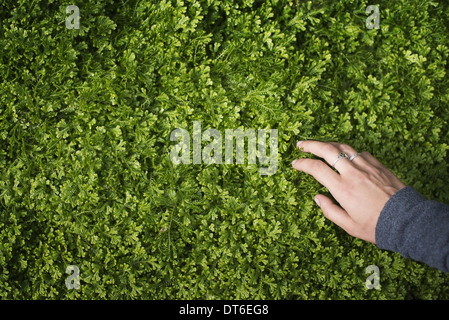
(415, 227)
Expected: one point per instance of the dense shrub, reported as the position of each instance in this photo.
(85, 122)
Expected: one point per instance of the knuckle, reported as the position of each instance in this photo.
(366, 153)
(346, 147)
(317, 165)
(378, 174)
(329, 148)
(374, 171)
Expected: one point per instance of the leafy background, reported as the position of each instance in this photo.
(85, 121)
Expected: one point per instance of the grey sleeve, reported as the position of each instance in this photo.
(415, 227)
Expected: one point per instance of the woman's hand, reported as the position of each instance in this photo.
(362, 187)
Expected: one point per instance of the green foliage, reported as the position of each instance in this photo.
(85, 121)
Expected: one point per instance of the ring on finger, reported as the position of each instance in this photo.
(353, 156)
(344, 155)
(340, 156)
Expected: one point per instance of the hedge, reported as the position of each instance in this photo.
(85, 122)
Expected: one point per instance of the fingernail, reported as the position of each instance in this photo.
(317, 201)
(299, 143)
(293, 163)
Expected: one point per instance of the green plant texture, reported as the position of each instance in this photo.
(85, 122)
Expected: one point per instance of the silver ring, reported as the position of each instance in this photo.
(353, 156)
(340, 156)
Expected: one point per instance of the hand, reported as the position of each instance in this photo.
(362, 187)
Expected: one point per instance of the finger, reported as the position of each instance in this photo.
(328, 152)
(335, 213)
(320, 171)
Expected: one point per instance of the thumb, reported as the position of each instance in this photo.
(334, 212)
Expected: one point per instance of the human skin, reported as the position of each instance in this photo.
(361, 187)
